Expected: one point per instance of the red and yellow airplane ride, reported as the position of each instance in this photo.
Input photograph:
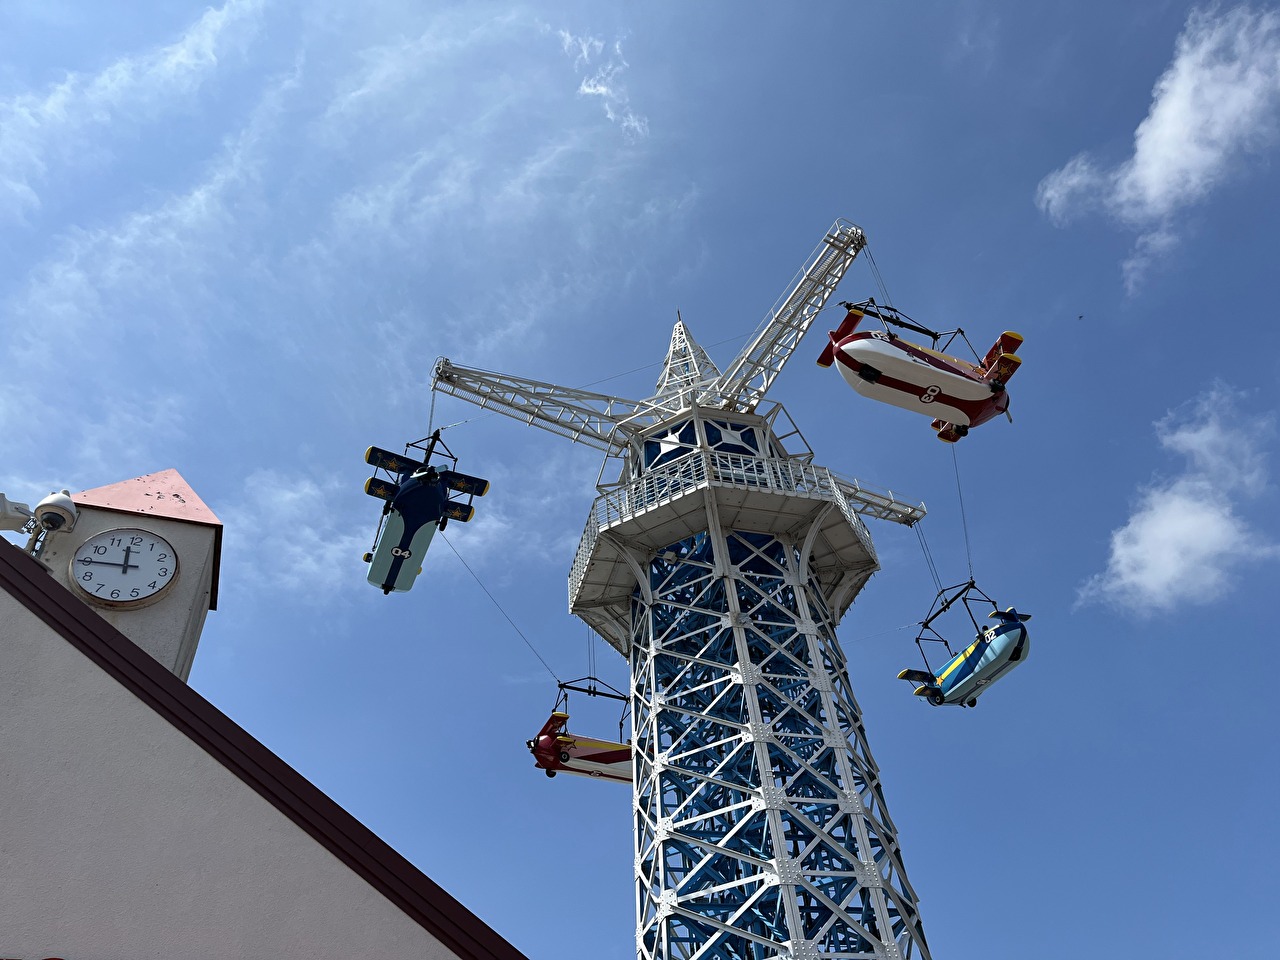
(955, 393)
(556, 750)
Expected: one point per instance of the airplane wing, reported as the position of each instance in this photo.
(382, 489)
(391, 462)
(1006, 616)
(464, 483)
(917, 676)
(459, 511)
(554, 725)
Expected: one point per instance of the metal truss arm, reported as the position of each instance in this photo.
(881, 504)
(744, 383)
(594, 419)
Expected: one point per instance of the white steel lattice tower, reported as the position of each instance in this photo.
(719, 564)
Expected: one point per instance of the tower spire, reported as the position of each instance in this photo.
(687, 365)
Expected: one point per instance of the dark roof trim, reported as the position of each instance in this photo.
(283, 787)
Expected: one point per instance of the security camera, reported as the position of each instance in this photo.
(56, 512)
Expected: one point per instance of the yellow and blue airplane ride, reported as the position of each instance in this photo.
(967, 675)
(419, 500)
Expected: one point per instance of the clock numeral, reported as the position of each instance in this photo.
(152, 585)
(116, 541)
(87, 576)
(163, 557)
(135, 541)
(99, 550)
(99, 589)
(115, 594)
(162, 572)
(133, 592)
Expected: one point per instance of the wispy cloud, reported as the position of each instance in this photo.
(1186, 539)
(46, 130)
(393, 77)
(154, 264)
(1216, 104)
(338, 225)
(602, 66)
(558, 492)
(288, 531)
(977, 37)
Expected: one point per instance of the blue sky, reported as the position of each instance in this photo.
(235, 238)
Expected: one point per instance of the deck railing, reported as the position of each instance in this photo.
(702, 468)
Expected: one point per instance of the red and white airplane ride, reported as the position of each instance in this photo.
(956, 393)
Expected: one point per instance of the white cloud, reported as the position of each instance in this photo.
(1216, 103)
(977, 37)
(1076, 184)
(318, 236)
(289, 532)
(153, 266)
(557, 492)
(603, 80)
(400, 75)
(1187, 540)
(107, 433)
(43, 130)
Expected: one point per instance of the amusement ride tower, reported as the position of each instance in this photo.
(719, 563)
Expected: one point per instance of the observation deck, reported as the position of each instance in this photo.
(817, 509)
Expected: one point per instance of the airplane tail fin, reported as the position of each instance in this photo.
(847, 326)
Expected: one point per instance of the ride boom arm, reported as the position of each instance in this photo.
(744, 383)
(595, 419)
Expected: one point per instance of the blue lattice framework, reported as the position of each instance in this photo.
(719, 564)
(720, 571)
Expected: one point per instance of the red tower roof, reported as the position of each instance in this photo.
(163, 494)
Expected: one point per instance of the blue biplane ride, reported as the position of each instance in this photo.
(967, 675)
(420, 498)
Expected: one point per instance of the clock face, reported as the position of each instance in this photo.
(124, 568)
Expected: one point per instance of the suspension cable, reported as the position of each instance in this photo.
(499, 606)
(875, 274)
(928, 557)
(963, 519)
(591, 651)
(885, 633)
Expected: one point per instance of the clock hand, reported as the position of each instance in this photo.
(124, 567)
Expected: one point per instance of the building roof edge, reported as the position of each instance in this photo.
(412, 891)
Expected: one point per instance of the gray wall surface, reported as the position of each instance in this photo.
(121, 839)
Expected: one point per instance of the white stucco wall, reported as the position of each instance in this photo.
(121, 839)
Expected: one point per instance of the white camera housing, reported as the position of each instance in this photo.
(56, 512)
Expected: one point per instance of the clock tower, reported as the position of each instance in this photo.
(144, 553)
